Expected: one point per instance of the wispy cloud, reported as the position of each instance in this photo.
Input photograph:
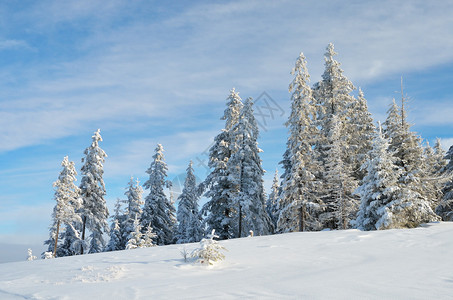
(14, 44)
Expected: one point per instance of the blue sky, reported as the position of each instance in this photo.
(148, 72)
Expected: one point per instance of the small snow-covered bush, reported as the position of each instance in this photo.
(209, 251)
(48, 255)
(30, 255)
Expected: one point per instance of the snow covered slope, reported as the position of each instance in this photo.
(397, 264)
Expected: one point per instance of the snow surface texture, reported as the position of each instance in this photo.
(349, 264)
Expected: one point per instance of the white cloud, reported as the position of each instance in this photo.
(14, 44)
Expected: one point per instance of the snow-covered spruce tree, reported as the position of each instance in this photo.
(332, 95)
(341, 207)
(220, 210)
(362, 131)
(159, 211)
(413, 206)
(137, 239)
(445, 207)
(134, 194)
(64, 212)
(245, 169)
(379, 187)
(209, 251)
(116, 241)
(94, 209)
(188, 215)
(434, 164)
(273, 200)
(299, 203)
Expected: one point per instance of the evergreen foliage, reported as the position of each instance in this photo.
(159, 211)
(94, 209)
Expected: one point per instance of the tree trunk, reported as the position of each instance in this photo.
(240, 221)
(301, 218)
(56, 240)
(84, 220)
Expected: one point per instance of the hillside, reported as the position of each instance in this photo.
(398, 264)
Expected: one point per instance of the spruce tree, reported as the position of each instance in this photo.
(245, 169)
(445, 207)
(134, 194)
(413, 206)
(65, 210)
(189, 228)
(159, 211)
(220, 209)
(299, 203)
(379, 187)
(333, 98)
(342, 206)
(94, 209)
(273, 200)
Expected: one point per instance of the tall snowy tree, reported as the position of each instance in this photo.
(414, 206)
(273, 200)
(247, 173)
(434, 172)
(94, 208)
(341, 205)
(134, 194)
(379, 188)
(445, 207)
(333, 98)
(188, 215)
(299, 203)
(220, 209)
(360, 135)
(65, 210)
(159, 211)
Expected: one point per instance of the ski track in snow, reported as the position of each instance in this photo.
(351, 264)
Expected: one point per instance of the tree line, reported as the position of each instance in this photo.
(340, 171)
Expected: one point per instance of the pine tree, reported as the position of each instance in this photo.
(189, 228)
(379, 187)
(413, 206)
(159, 211)
(245, 169)
(64, 212)
(361, 136)
(220, 209)
(115, 241)
(134, 194)
(434, 165)
(341, 207)
(135, 237)
(94, 209)
(299, 203)
(272, 203)
(333, 98)
(445, 207)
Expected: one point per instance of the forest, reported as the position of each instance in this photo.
(340, 170)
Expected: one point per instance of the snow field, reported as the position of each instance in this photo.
(349, 264)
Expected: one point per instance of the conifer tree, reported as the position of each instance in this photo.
(115, 242)
(413, 206)
(246, 171)
(299, 203)
(379, 187)
(445, 207)
(94, 209)
(341, 207)
(220, 210)
(333, 98)
(134, 194)
(189, 228)
(158, 211)
(272, 203)
(65, 210)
